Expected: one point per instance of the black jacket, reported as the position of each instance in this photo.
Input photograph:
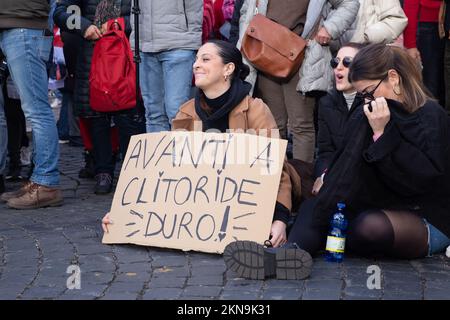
(81, 93)
(332, 118)
(408, 167)
(72, 43)
(234, 31)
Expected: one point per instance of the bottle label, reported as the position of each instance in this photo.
(335, 244)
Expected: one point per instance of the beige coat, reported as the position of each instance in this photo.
(249, 114)
(378, 21)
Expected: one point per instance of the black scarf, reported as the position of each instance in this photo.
(221, 107)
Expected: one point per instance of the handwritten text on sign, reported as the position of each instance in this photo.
(196, 191)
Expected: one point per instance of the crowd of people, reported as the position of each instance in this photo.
(366, 114)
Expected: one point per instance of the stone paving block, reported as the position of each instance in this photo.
(326, 273)
(41, 293)
(361, 293)
(239, 295)
(125, 287)
(172, 261)
(437, 294)
(321, 295)
(208, 270)
(401, 295)
(282, 294)
(438, 284)
(167, 282)
(206, 280)
(285, 284)
(325, 285)
(162, 294)
(135, 277)
(120, 296)
(171, 272)
(242, 284)
(91, 290)
(201, 291)
(96, 278)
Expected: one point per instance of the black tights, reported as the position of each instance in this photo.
(399, 234)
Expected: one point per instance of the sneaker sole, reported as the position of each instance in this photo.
(58, 203)
(249, 260)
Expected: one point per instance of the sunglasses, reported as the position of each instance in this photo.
(345, 62)
(370, 95)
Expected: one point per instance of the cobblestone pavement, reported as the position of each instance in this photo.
(37, 247)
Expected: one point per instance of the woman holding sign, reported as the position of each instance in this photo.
(222, 103)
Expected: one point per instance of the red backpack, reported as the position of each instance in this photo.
(112, 79)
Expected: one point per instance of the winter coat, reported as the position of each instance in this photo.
(332, 120)
(315, 73)
(169, 24)
(407, 168)
(377, 21)
(82, 106)
(249, 114)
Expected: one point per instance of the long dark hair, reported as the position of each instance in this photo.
(230, 54)
(374, 61)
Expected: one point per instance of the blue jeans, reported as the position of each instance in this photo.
(437, 241)
(3, 135)
(27, 52)
(166, 79)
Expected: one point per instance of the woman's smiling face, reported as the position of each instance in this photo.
(209, 69)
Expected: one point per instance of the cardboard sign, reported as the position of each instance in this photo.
(196, 191)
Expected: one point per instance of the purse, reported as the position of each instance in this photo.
(272, 48)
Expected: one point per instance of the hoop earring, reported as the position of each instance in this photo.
(226, 78)
(399, 91)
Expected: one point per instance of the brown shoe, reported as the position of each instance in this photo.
(5, 197)
(37, 196)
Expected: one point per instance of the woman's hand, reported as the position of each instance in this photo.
(317, 185)
(323, 37)
(92, 33)
(105, 222)
(415, 54)
(379, 116)
(278, 233)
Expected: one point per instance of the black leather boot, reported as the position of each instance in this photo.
(251, 260)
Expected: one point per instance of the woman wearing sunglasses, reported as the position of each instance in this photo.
(333, 111)
(393, 169)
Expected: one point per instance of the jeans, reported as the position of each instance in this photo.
(163, 97)
(431, 49)
(3, 135)
(27, 51)
(437, 241)
(129, 123)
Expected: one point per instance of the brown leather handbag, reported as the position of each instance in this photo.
(272, 48)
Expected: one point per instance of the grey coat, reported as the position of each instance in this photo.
(335, 15)
(169, 24)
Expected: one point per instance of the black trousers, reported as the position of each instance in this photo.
(129, 123)
(17, 135)
(303, 233)
(432, 50)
